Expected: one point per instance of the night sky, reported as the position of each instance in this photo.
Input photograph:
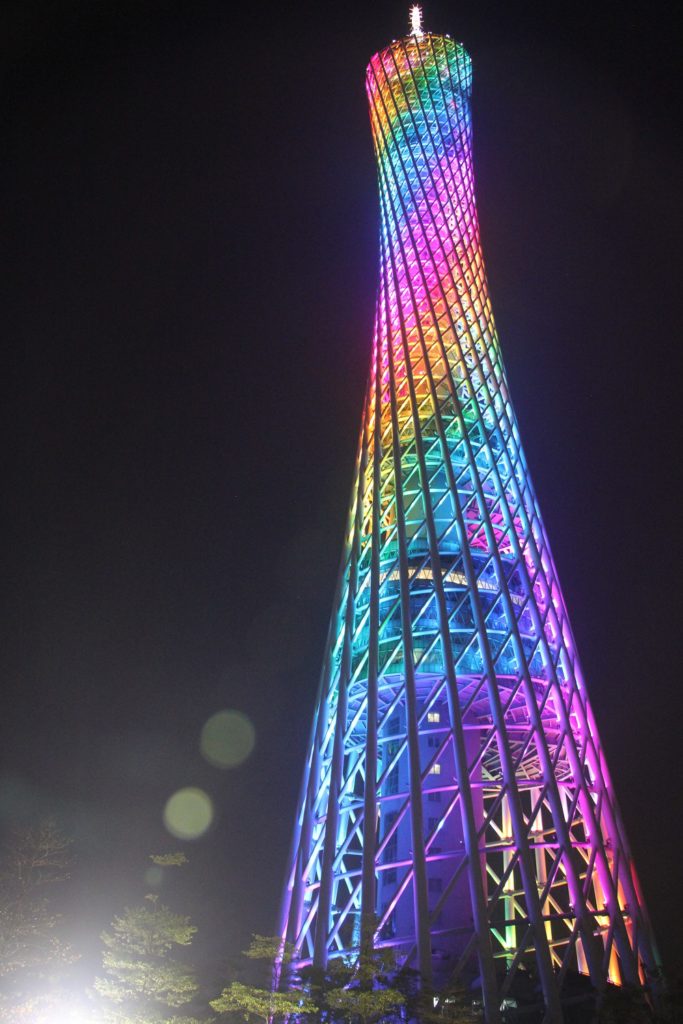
(189, 243)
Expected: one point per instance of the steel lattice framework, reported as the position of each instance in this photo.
(455, 786)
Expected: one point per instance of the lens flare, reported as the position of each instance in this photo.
(227, 739)
(188, 813)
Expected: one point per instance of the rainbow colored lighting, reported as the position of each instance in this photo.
(455, 788)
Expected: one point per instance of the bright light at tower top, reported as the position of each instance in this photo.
(416, 21)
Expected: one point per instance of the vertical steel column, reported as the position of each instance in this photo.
(544, 960)
(587, 925)
(470, 832)
(536, 918)
(368, 886)
(421, 907)
(322, 923)
(628, 953)
(296, 882)
(301, 838)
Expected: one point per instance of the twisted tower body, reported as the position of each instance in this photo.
(455, 787)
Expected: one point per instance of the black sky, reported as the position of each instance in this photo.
(189, 232)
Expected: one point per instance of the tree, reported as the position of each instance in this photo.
(33, 954)
(670, 1000)
(365, 1006)
(624, 1004)
(373, 987)
(144, 981)
(363, 989)
(450, 1006)
(348, 989)
(265, 1003)
(261, 1003)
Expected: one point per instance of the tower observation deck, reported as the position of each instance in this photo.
(455, 789)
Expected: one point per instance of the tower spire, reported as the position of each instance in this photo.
(415, 14)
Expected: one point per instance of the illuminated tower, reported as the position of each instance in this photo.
(455, 786)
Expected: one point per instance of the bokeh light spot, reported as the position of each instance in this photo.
(188, 813)
(227, 739)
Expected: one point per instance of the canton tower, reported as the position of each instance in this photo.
(455, 789)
